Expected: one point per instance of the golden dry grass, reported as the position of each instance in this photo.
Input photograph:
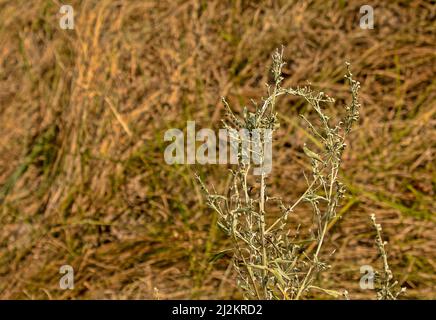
(83, 112)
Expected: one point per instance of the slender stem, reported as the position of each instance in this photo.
(293, 206)
(245, 186)
(333, 177)
(262, 227)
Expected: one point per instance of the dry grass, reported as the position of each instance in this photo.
(82, 175)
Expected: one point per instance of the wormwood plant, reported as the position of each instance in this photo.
(270, 263)
(386, 287)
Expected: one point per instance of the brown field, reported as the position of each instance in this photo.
(83, 112)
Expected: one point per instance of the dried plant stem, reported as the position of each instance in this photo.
(385, 290)
(292, 207)
(267, 259)
(262, 227)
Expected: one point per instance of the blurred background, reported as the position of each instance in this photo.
(83, 113)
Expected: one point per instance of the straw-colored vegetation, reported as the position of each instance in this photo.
(83, 114)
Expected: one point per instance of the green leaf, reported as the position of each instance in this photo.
(219, 255)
